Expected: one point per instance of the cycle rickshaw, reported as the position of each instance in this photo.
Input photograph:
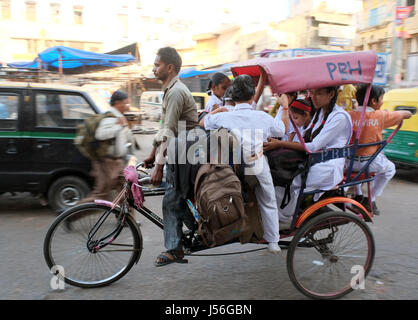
(324, 243)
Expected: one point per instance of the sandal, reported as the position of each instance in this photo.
(170, 256)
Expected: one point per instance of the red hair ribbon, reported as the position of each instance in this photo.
(300, 105)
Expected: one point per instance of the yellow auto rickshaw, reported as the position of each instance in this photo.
(404, 147)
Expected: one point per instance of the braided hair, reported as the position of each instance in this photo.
(309, 135)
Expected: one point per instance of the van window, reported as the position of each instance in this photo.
(61, 110)
(413, 110)
(99, 101)
(9, 104)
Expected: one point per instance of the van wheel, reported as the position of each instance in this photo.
(66, 191)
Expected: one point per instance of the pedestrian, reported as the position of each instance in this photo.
(218, 84)
(375, 121)
(178, 105)
(108, 170)
(242, 120)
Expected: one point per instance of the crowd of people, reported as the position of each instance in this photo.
(325, 117)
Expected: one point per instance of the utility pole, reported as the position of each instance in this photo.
(396, 58)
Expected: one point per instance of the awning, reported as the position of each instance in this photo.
(74, 60)
(131, 49)
(193, 72)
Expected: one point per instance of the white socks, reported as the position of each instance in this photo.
(274, 247)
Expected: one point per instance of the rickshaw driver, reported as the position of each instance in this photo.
(244, 118)
(178, 105)
(331, 127)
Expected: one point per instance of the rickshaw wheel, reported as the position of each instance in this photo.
(330, 255)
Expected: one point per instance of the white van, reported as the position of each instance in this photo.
(150, 105)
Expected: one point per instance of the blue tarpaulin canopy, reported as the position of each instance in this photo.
(192, 72)
(74, 60)
(24, 65)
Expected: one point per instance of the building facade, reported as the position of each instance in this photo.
(328, 25)
(377, 30)
(28, 27)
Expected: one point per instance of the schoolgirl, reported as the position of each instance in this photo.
(330, 127)
(218, 84)
(301, 111)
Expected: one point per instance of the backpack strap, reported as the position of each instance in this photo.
(286, 198)
(203, 236)
(287, 194)
(203, 170)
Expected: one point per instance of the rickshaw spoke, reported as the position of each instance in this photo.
(319, 281)
(315, 266)
(348, 256)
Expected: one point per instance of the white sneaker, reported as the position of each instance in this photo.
(274, 248)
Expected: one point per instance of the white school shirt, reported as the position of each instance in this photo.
(291, 130)
(213, 99)
(336, 133)
(253, 107)
(242, 118)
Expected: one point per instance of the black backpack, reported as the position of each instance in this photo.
(285, 165)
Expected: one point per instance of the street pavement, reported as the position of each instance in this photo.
(257, 275)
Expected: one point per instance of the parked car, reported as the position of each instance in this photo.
(151, 105)
(201, 98)
(37, 127)
(404, 147)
